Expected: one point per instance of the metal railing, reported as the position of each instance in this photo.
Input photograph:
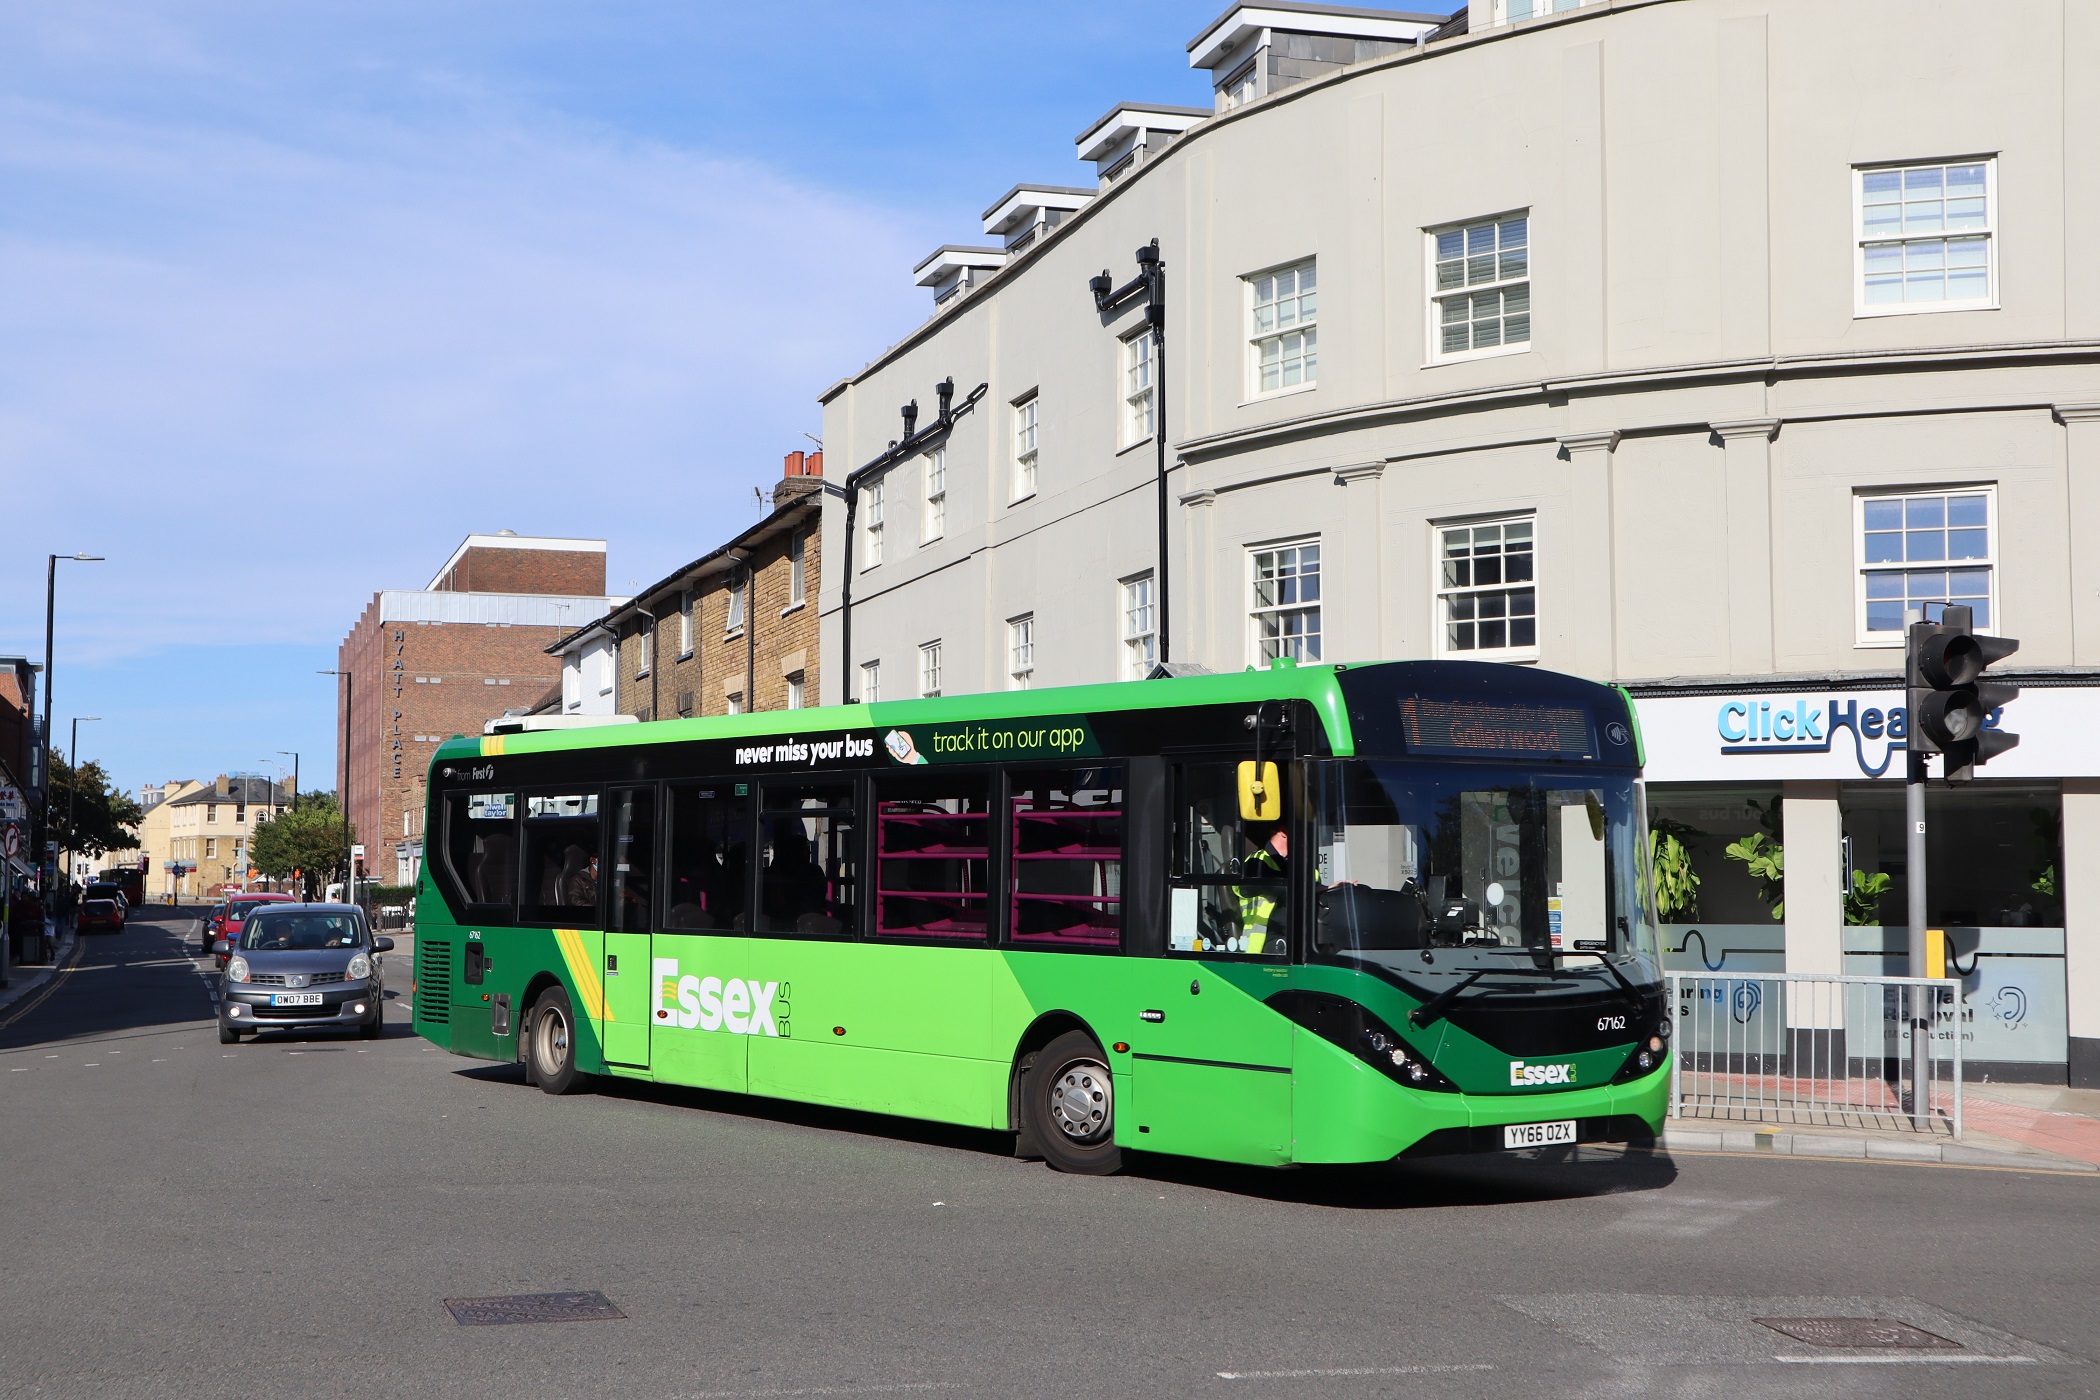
(1810, 1050)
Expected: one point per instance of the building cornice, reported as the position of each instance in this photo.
(1537, 391)
(1746, 428)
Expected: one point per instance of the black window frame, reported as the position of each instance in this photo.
(667, 815)
(858, 780)
(453, 882)
(526, 792)
(608, 809)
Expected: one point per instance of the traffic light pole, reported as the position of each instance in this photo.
(1914, 872)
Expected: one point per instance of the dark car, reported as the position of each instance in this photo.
(301, 967)
(210, 928)
(107, 914)
(103, 889)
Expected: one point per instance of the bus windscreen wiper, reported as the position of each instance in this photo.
(1433, 1009)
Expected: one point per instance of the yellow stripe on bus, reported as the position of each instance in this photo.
(492, 746)
(583, 974)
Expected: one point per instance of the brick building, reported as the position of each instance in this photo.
(733, 631)
(424, 665)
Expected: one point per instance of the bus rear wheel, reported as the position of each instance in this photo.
(1071, 1104)
(551, 1043)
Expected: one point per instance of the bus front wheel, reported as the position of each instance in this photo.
(1071, 1103)
(551, 1043)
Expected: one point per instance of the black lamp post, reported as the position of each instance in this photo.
(73, 790)
(50, 615)
(1109, 299)
(349, 701)
(287, 753)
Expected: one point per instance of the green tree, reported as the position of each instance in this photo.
(1676, 882)
(308, 839)
(101, 818)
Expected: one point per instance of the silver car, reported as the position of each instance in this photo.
(301, 967)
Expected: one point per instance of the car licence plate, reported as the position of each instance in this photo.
(1538, 1134)
(296, 999)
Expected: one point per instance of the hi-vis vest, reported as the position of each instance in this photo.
(1257, 909)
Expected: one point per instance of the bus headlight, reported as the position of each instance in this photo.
(1352, 1027)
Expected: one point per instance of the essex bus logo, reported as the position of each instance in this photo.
(1523, 1076)
(738, 1006)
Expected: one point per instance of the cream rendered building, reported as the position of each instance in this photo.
(208, 829)
(1679, 343)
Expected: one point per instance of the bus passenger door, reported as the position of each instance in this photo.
(630, 875)
(1210, 1064)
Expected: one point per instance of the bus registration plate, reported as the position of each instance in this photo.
(296, 999)
(1538, 1134)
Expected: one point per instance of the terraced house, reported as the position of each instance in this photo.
(1688, 344)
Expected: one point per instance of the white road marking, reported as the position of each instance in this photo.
(898, 1388)
(1911, 1360)
(23, 1070)
(1350, 1371)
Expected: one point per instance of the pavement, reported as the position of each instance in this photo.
(290, 1216)
(24, 980)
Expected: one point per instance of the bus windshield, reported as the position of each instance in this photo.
(1464, 866)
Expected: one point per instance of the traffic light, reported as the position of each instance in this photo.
(1949, 699)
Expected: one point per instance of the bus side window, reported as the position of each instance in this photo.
(633, 859)
(563, 860)
(933, 855)
(1230, 883)
(1067, 862)
(480, 865)
(809, 849)
(709, 870)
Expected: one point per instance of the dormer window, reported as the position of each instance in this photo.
(1027, 212)
(951, 269)
(1131, 134)
(1255, 50)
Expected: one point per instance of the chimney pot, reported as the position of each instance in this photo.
(794, 464)
(815, 464)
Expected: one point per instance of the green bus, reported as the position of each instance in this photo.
(1307, 914)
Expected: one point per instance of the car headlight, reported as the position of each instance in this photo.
(360, 968)
(237, 970)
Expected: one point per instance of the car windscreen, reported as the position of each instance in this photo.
(271, 932)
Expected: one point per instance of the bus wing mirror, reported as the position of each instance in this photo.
(1261, 795)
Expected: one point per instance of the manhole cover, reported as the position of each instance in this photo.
(531, 1307)
(1857, 1333)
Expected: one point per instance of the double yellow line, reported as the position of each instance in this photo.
(59, 980)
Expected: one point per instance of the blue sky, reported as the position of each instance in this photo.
(293, 296)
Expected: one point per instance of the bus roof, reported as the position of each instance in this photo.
(1529, 713)
(1313, 684)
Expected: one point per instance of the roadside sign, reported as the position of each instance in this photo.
(13, 839)
(12, 808)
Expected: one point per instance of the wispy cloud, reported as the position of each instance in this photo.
(353, 350)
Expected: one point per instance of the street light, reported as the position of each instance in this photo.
(50, 613)
(73, 789)
(349, 700)
(287, 753)
(1110, 301)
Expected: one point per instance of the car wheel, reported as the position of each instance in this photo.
(552, 1043)
(1069, 1098)
(228, 1035)
(374, 1028)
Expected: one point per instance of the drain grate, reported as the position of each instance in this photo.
(531, 1307)
(1858, 1333)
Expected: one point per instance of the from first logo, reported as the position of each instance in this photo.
(738, 1006)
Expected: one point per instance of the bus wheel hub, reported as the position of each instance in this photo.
(1081, 1100)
